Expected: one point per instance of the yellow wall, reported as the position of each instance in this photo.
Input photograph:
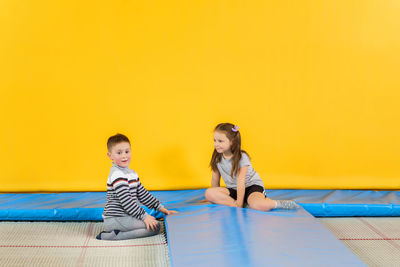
(314, 86)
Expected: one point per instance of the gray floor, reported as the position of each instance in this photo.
(375, 240)
(74, 244)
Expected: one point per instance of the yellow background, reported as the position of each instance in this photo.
(313, 85)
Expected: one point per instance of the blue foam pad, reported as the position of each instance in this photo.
(214, 235)
(89, 206)
(338, 203)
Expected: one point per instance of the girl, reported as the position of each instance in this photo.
(243, 183)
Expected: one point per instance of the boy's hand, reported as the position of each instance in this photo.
(168, 212)
(151, 223)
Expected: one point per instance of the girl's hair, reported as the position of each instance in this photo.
(232, 133)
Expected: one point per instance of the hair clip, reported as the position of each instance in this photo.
(235, 128)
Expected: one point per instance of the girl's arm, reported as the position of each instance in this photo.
(241, 185)
(215, 178)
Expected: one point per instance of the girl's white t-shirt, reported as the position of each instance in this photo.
(225, 168)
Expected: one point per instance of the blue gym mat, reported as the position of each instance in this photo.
(89, 206)
(215, 235)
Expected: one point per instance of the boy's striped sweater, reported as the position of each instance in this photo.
(124, 190)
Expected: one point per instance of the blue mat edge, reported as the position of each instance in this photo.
(88, 206)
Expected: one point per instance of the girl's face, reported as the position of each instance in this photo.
(221, 143)
(120, 154)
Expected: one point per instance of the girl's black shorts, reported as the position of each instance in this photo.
(247, 192)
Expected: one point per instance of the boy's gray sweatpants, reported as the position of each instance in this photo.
(129, 227)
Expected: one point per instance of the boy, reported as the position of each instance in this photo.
(123, 217)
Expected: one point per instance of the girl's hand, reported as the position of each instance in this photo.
(151, 223)
(237, 205)
(168, 212)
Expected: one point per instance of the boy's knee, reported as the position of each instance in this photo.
(152, 232)
(158, 228)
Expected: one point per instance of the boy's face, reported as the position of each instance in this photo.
(120, 154)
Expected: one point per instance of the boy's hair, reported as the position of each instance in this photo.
(116, 139)
(233, 134)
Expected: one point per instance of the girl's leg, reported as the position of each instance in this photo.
(258, 201)
(220, 195)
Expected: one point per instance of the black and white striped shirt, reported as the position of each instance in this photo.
(124, 190)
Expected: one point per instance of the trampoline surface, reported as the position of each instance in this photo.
(221, 235)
